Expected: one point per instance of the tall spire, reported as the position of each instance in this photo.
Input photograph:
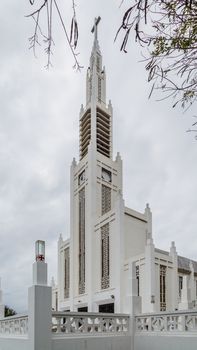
(94, 28)
(96, 117)
(96, 73)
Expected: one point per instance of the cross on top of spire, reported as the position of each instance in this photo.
(94, 28)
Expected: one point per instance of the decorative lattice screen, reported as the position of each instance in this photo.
(82, 241)
(106, 199)
(105, 256)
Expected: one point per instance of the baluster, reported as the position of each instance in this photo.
(106, 324)
(11, 327)
(94, 324)
(21, 326)
(148, 323)
(77, 325)
(97, 325)
(122, 324)
(176, 323)
(17, 326)
(82, 324)
(127, 324)
(140, 324)
(182, 324)
(118, 326)
(165, 323)
(195, 322)
(111, 325)
(58, 321)
(100, 325)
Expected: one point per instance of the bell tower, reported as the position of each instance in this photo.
(96, 185)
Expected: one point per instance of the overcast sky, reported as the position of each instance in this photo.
(39, 112)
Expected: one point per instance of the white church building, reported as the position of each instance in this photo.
(106, 237)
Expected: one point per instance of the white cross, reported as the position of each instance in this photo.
(94, 28)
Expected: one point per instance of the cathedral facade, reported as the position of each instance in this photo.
(106, 237)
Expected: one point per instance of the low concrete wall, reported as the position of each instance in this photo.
(14, 344)
(92, 343)
(165, 342)
(73, 343)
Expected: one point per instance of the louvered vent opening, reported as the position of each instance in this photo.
(85, 133)
(103, 132)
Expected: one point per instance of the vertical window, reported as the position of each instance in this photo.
(82, 241)
(138, 280)
(106, 175)
(180, 285)
(85, 136)
(162, 288)
(66, 273)
(105, 256)
(106, 199)
(103, 132)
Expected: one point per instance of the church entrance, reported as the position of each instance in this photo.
(107, 308)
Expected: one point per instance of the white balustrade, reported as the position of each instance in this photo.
(178, 321)
(14, 326)
(75, 323)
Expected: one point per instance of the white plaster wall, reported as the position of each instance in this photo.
(165, 342)
(195, 287)
(62, 245)
(168, 289)
(74, 264)
(54, 291)
(97, 261)
(75, 248)
(61, 296)
(157, 287)
(113, 248)
(135, 236)
(14, 344)
(142, 285)
(115, 166)
(125, 304)
(98, 193)
(93, 343)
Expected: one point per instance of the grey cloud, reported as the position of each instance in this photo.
(39, 136)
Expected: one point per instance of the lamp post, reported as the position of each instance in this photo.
(40, 250)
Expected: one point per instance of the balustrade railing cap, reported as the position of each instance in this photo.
(169, 313)
(88, 314)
